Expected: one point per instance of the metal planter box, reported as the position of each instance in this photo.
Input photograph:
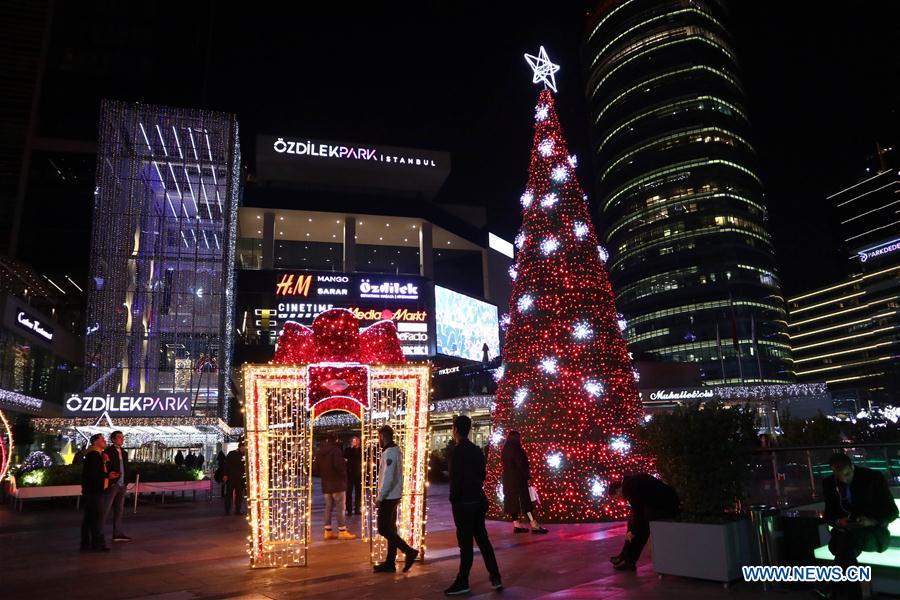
(714, 552)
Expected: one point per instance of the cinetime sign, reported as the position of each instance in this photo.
(128, 405)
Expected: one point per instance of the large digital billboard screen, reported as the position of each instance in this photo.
(465, 325)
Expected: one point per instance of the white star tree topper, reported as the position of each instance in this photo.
(543, 69)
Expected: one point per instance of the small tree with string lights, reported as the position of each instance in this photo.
(566, 382)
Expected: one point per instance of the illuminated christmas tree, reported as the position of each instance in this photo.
(566, 382)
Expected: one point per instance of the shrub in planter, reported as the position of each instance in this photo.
(71, 474)
(703, 451)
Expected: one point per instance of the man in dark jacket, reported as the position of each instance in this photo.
(117, 459)
(333, 471)
(469, 504)
(95, 477)
(353, 456)
(235, 479)
(859, 507)
(650, 500)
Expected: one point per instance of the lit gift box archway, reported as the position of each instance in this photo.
(330, 367)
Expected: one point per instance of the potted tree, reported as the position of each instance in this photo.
(703, 451)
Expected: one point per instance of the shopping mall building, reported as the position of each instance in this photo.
(327, 224)
(198, 261)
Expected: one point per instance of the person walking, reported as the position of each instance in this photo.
(235, 479)
(353, 456)
(469, 504)
(650, 500)
(333, 471)
(220, 471)
(516, 475)
(390, 491)
(94, 481)
(117, 459)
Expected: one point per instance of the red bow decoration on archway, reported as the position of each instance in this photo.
(335, 337)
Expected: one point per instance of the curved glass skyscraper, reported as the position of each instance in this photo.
(679, 198)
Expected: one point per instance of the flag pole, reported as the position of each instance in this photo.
(719, 349)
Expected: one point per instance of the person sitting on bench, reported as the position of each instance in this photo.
(859, 507)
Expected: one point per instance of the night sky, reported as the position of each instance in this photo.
(821, 92)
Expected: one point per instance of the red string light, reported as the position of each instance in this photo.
(567, 383)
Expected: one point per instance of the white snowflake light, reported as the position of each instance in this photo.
(581, 229)
(541, 112)
(549, 245)
(505, 320)
(549, 365)
(573, 161)
(525, 302)
(554, 460)
(497, 436)
(520, 396)
(546, 147)
(512, 273)
(559, 174)
(582, 330)
(594, 388)
(604, 255)
(621, 321)
(499, 372)
(526, 199)
(520, 240)
(500, 496)
(637, 376)
(549, 200)
(598, 488)
(620, 444)
(648, 418)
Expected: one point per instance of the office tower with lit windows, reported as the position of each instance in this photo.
(679, 199)
(161, 285)
(868, 210)
(845, 333)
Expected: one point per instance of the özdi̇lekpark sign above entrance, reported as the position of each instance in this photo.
(128, 405)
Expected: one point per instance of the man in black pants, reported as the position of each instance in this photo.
(859, 507)
(467, 475)
(234, 478)
(95, 478)
(650, 500)
(390, 492)
(353, 456)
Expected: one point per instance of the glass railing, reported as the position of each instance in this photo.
(792, 476)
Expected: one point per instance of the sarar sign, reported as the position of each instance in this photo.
(129, 405)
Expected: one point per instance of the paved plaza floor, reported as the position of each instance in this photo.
(185, 549)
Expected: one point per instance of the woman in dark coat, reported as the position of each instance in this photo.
(516, 499)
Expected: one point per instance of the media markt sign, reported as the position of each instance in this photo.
(125, 405)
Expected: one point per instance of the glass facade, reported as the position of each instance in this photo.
(680, 203)
(868, 211)
(160, 299)
(846, 334)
